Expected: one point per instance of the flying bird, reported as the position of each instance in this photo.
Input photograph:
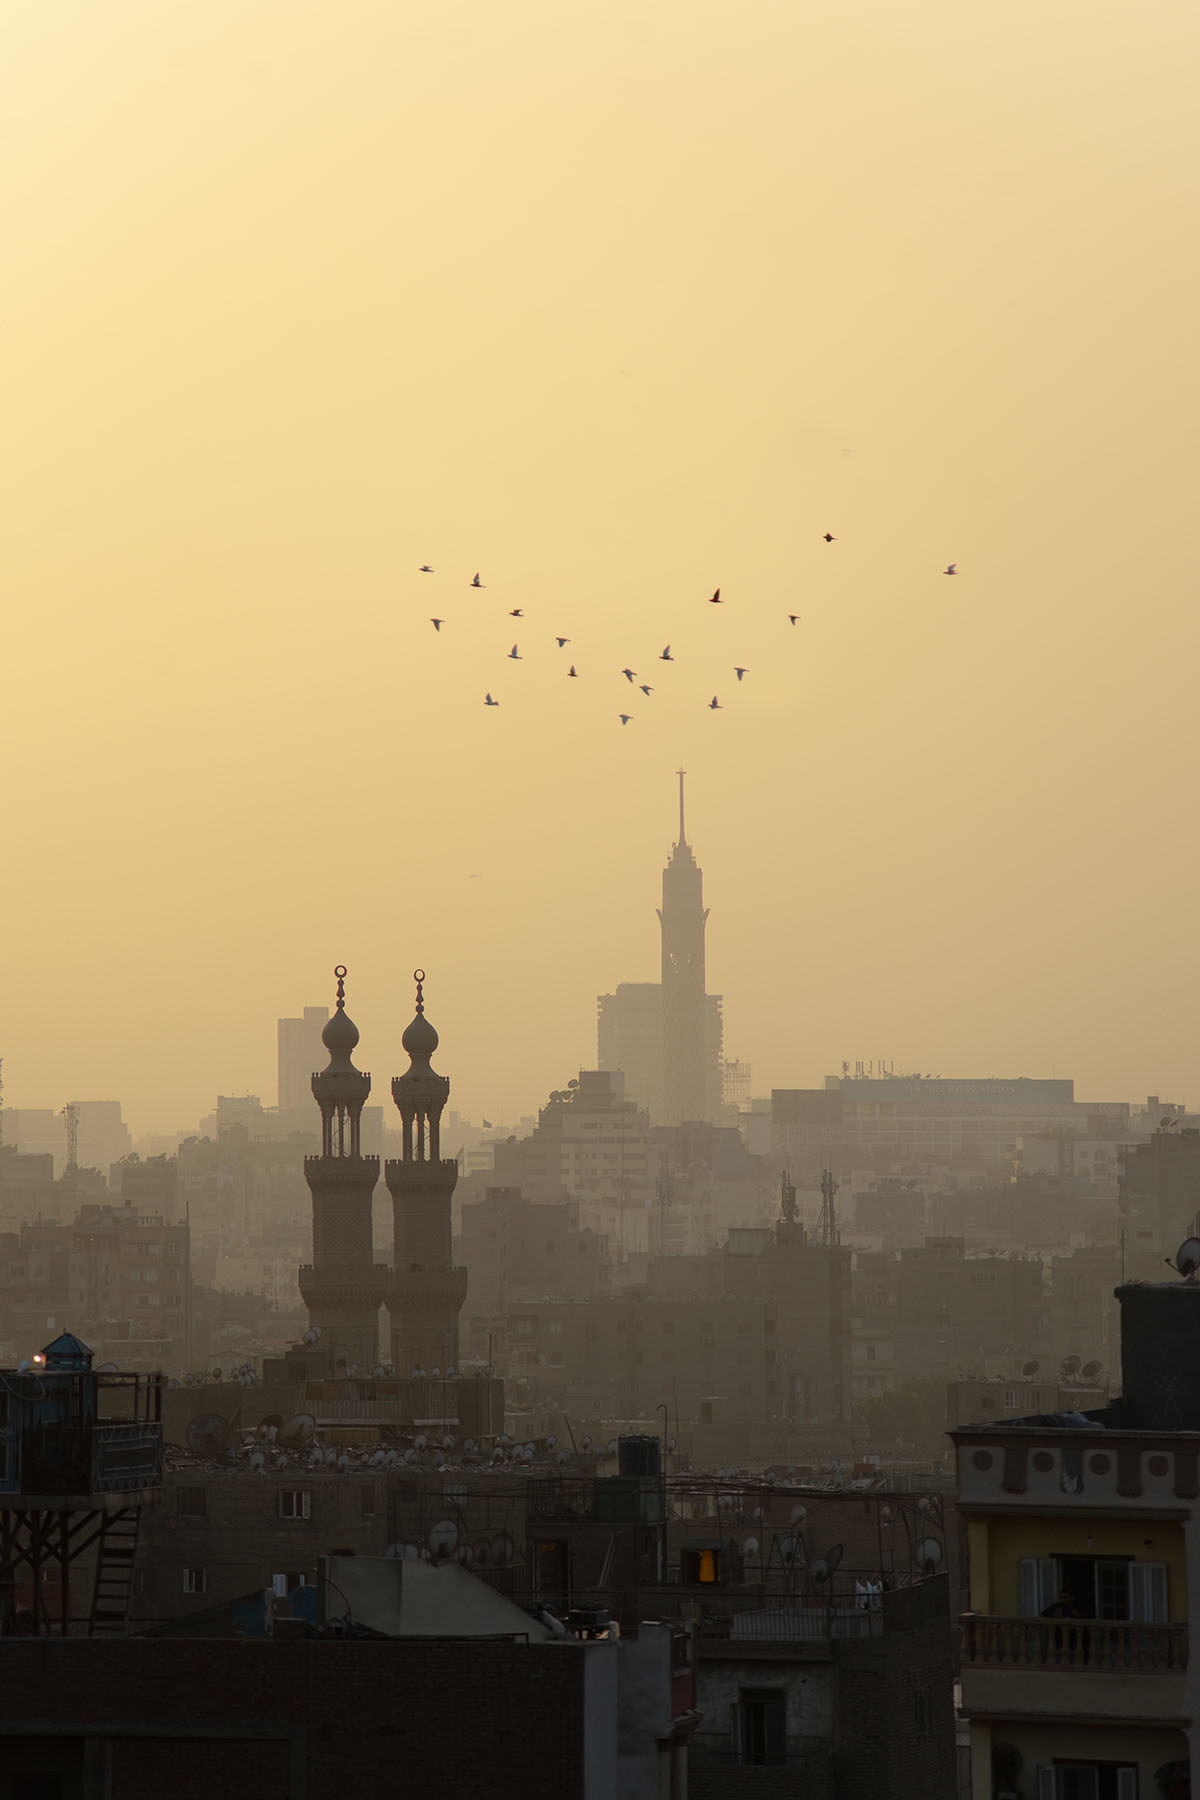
(513, 656)
(715, 599)
(740, 672)
(629, 674)
(425, 569)
(571, 671)
(714, 705)
(829, 538)
(950, 569)
(664, 654)
(561, 641)
(475, 581)
(625, 717)
(488, 701)
(437, 623)
(516, 613)
(645, 689)
(792, 617)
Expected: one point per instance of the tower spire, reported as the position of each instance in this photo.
(682, 835)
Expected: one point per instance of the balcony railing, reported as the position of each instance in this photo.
(1049, 1644)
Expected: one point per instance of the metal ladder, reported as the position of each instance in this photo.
(116, 1551)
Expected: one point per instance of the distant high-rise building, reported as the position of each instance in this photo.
(427, 1291)
(342, 1287)
(300, 1053)
(667, 1036)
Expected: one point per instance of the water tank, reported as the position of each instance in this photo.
(639, 1456)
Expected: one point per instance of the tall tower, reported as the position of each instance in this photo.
(343, 1287)
(427, 1291)
(686, 1050)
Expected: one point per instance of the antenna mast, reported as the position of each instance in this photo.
(827, 1231)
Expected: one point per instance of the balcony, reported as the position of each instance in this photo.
(1085, 1669)
(1049, 1644)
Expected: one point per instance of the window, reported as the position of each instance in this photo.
(195, 1581)
(760, 1725)
(294, 1503)
(192, 1502)
(1100, 1587)
(1087, 1781)
(367, 1504)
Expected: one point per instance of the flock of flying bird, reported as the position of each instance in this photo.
(664, 655)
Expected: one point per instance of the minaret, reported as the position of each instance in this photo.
(427, 1291)
(343, 1287)
(685, 1014)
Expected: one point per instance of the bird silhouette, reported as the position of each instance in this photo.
(437, 623)
(625, 717)
(645, 689)
(829, 538)
(664, 654)
(561, 641)
(740, 672)
(513, 655)
(488, 701)
(715, 599)
(792, 617)
(629, 674)
(714, 705)
(475, 581)
(425, 569)
(950, 569)
(571, 671)
(516, 613)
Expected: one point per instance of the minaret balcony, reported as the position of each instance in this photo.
(425, 1290)
(353, 1171)
(341, 1288)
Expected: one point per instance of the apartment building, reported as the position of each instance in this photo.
(1076, 1673)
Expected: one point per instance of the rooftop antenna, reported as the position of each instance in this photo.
(827, 1231)
(788, 1196)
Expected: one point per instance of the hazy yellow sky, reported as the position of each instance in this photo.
(613, 303)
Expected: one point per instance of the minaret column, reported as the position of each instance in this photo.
(427, 1291)
(343, 1287)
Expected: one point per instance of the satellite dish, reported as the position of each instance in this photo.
(1030, 1368)
(208, 1434)
(585, 1443)
(1070, 1366)
(173, 1381)
(420, 1442)
(470, 1446)
(443, 1538)
(1187, 1258)
(551, 1441)
(108, 1369)
(928, 1554)
(483, 1551)
(824, 1566)
(298, 1430)
(750, 1547)
(798, 1515)
(1090, 1370)
(787, 1549)
(502, 1549)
